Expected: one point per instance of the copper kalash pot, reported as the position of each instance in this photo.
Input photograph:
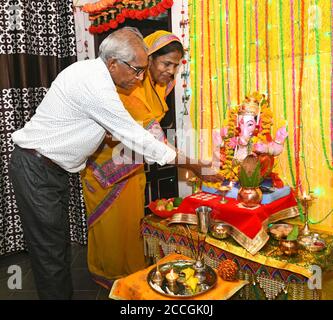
(249, 196)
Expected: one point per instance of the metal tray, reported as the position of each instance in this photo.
(187, 218)
(181, 290)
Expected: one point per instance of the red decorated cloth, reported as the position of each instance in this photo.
(249, 225)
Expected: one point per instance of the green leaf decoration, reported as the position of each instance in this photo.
(293, 235)
(250, 181)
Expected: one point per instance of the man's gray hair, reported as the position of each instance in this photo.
(121, 44)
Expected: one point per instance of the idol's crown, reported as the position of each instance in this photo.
(250, 106)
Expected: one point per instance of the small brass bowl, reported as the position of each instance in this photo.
(219, 229)
(288, 247)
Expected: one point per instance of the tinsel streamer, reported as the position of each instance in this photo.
(257, 44)
(320, 105)
(299, 126)
(195, 93)
(218, 50)
(299, 102)
(210, 69)
(245, 46)
(331, 123)
(284, 85)
(293, 90)
(228, 50)
(249, 77)
(222, 59)
(323, 219)
(237, 52)
(329, 166)
(267, 50)
(202, 56)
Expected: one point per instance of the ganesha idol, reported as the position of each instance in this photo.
(248, 131)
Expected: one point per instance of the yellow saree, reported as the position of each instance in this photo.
(114, 194)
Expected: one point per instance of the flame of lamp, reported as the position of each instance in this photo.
(172, 277)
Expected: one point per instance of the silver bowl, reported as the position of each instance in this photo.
(312, 243)
(219, 229)
(280, 230)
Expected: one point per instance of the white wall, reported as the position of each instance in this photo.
(84, 40)
(183, 123)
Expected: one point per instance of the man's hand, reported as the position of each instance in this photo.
(204, 170)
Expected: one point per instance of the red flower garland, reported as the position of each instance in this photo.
(108, 14)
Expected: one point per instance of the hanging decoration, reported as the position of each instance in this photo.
(108, 14)
(331, 111)
(185, 73)
(282, 49)
(267, 50)
(257, 42)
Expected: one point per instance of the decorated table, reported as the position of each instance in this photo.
(248, 226)
(136, 287)
(271, 275)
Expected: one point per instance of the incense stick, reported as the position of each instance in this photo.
(203, 247)
(190, 239)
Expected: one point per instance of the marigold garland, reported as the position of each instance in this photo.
(108, 14)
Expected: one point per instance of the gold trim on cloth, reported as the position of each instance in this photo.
(269, 255)
(259, 258)
(252, 246)
(283, 214)
(255, 244)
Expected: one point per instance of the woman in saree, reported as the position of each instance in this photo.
(114, 193)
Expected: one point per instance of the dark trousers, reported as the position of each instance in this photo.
(42, 195)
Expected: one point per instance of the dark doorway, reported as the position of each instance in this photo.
(162, 182)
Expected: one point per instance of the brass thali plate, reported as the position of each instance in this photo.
(181, 289)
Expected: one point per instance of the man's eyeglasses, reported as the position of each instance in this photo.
(138, 71)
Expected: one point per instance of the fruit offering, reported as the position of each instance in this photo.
(168, 204)
(177, 201)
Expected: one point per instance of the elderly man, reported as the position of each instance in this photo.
(69, 125)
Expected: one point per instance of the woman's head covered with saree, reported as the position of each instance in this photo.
(165, 52)
(148, 100)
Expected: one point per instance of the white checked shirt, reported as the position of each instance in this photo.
(70, 122)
